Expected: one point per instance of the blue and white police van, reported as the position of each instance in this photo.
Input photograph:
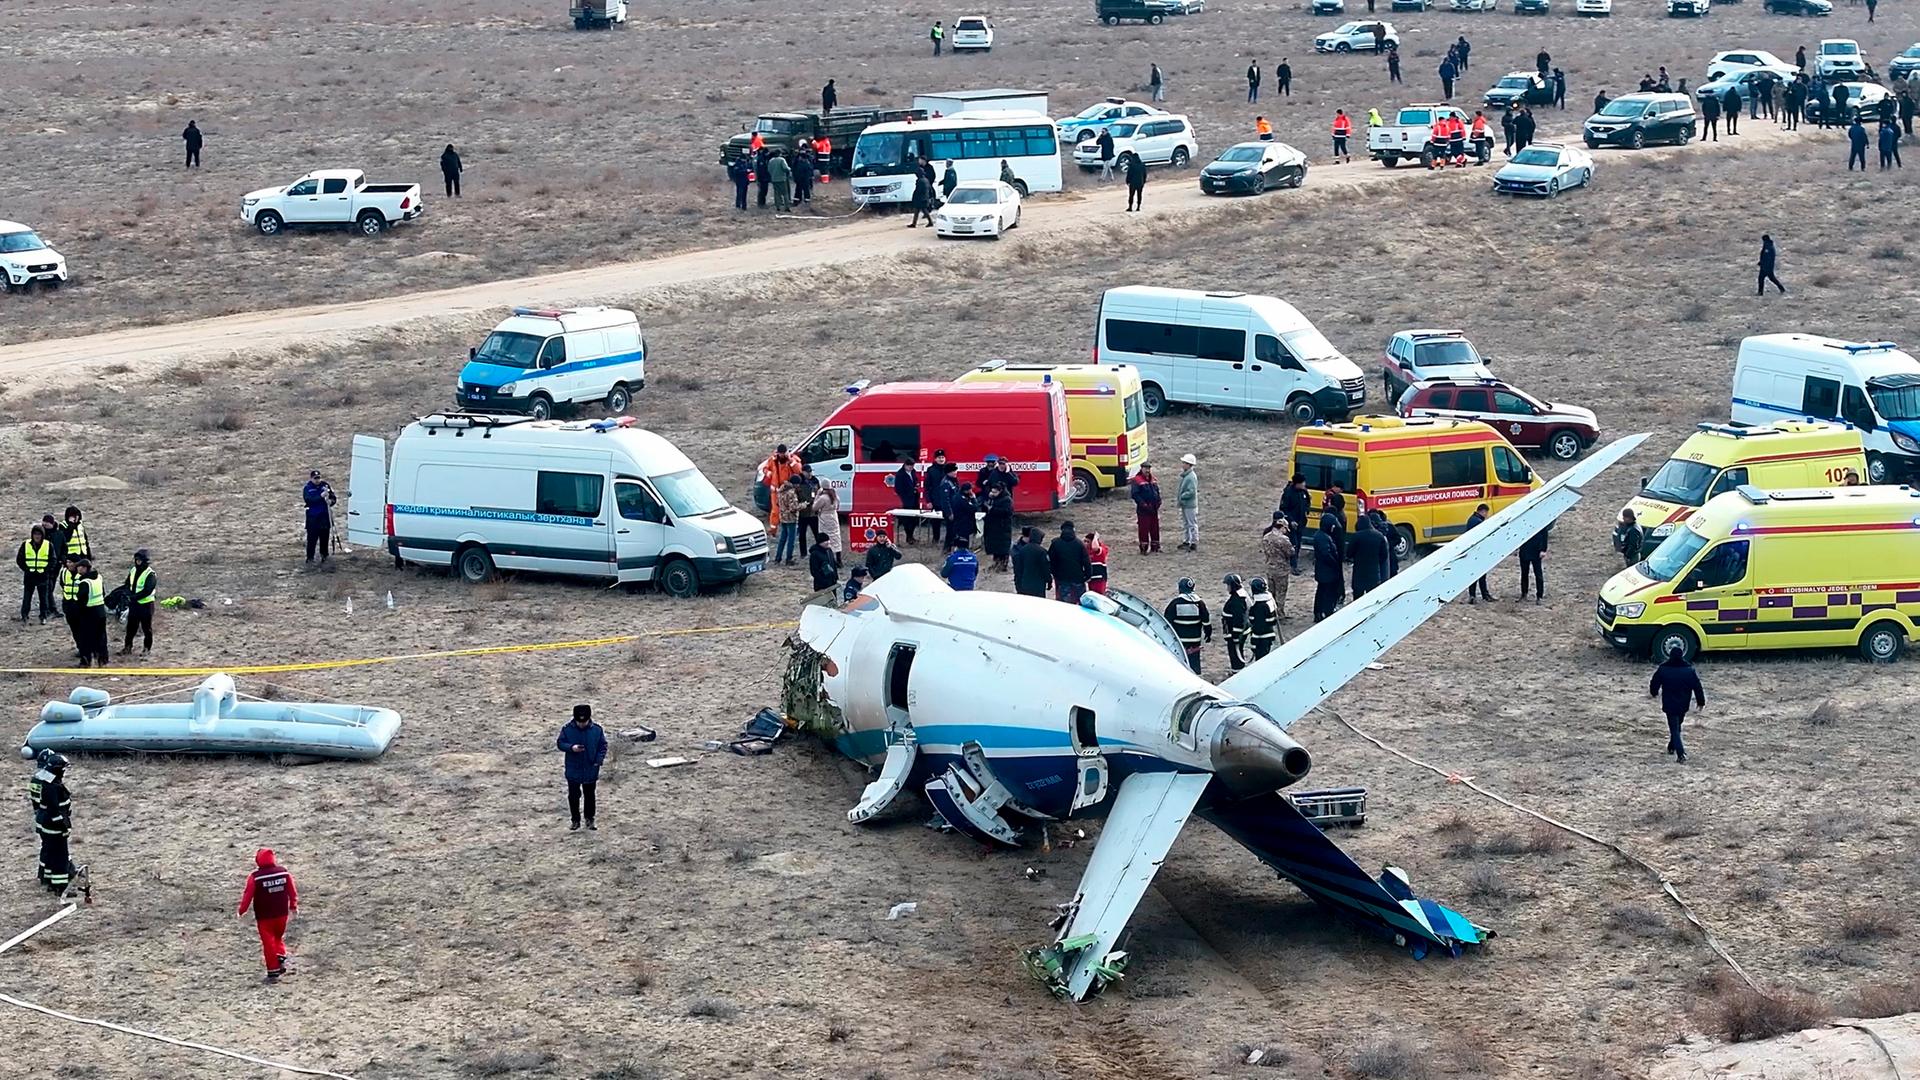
(542, 360)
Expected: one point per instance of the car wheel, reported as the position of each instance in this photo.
(1403, 542)
(370, 223)
(1877, 470)
(1426, 159)
(619, 398)
(1083, 487)
(1670, 637)
(1260, 183)
(1120, 164)
(475, 565)
(1021, 187)
(541, 407)
(1156, 19)
(1153, 399)
(1344, 47)
(1686, 135)
(1591, 145)
(1180, 157)
(1883, 642)
(268, 223)
(678, 580)
(1553, 188)
(1300, 409)
(1638, 140)
(1586, 178)
(1300, 179)
(1564, 445)
(1389, 160)
(1111, 21)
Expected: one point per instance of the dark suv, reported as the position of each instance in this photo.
(1638, 119)
(1151, 11)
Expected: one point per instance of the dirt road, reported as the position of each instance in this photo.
(862, 237)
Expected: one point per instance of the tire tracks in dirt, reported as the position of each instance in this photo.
(1064, 220)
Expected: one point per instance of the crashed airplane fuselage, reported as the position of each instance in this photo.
(1007, 711)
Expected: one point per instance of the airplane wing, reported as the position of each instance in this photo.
(1272, 827)
(1290, 681)
(1145, 819)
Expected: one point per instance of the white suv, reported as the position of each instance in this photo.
(1418, 355)
(25, 259)
(972, 32)
(1159, 140)
(1839, 58)
(1602, 8)
(1736, 61)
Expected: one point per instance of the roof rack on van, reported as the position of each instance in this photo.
(1738, 431)
(465, 421)
(1861, 346)
(1226, 295)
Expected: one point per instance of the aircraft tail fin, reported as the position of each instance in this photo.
(1273, 828)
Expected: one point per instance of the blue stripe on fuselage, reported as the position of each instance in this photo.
(481, 373)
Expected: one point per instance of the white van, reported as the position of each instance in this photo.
(1226, 348)
(1871, 385)
(589, 498)
(542, 359)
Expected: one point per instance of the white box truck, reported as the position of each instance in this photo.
(1871, 385)
(983, 101)
(587, 498)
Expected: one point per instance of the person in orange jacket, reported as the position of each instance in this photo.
(1263, 129)
(754, 144)
(823, 156)
(271, 895)
(776, 473)
(1457, 142)
(1342, 131)
(1437, 141)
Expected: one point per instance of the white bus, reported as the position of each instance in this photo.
(976, 143)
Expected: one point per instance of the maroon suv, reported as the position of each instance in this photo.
(1563, 431)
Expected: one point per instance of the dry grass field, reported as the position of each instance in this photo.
(726, 921)
(600, 147)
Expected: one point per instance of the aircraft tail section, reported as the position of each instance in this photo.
(1273, 828)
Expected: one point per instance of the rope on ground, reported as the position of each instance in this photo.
(1666, 884)
(123, 1029)
(443, 654)
(791, 216)
(1875, 1036)
(203, 1047)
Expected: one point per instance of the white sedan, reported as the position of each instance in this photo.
(1544, 169)
(978, 208)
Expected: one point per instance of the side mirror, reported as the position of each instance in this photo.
(472, 352)
(1643, 483)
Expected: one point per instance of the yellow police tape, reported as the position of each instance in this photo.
(445, 654)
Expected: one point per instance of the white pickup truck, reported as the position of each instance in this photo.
(1407, 137)
(332, 197)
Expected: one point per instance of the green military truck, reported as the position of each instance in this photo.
(783, 130)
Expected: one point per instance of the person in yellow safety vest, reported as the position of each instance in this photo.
(70, 597)
(1263, 129)
(140, 586)
(92, 601)
(1373, 118)
(1342, 131)
(76, 540)
(36, 561)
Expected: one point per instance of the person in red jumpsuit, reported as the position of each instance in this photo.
(271, 895)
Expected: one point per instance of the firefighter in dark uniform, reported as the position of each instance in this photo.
(53, 820)
(1263, 619)
(1233, 622)
(1191, 623)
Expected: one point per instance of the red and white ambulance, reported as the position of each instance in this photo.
(1024, 425)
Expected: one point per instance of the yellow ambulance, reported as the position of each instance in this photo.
(1787, 569)
(1720, 457)
(1425, 473)
(1106, 418)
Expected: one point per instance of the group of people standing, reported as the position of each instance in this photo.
(57, 571)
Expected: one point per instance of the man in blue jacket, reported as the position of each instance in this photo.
(586, 747)
(962, 567)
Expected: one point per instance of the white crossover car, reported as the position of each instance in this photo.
(1544, 169)
(978, 208)
(25, 258)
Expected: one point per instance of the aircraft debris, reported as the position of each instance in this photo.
(901, 910)
(667, 762)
